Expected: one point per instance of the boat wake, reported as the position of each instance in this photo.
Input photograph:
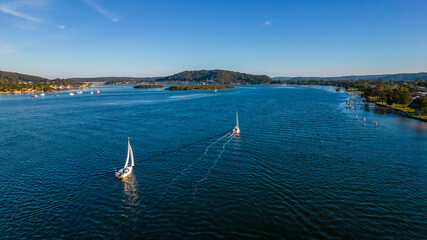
(212, 167)
(182, 172)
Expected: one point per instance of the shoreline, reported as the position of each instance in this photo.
(401, 111)
(405, 113)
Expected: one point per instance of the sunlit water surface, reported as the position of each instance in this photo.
(302, 167)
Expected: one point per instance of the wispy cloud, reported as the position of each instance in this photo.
(60, 26)
(112, 16)
(15, 13)
(268, 23)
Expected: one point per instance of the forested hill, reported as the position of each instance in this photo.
(216, 77)
(19, 77)
(11, 82)
(386, 77)
(115, 80)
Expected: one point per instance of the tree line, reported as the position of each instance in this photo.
(389, 92)
(217, 77)
(11, 81)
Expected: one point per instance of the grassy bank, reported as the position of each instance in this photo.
(407, 110)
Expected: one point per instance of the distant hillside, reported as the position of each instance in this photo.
(216, 77)
(12, 82)
(19, 77)
(115, 80)
(395, 77)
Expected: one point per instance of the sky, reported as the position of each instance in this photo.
(142, 38)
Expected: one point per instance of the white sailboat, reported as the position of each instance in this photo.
(237, 129)
(71, 94)
(42, 94)
(97, 91)
(127, 170)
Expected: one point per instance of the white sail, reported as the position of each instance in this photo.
(131, 156)
(237, 119)
(127, 158)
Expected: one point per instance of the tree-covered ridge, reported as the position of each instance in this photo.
(196, 87)
(149, 86)
(11, 82)
(19, 77)
(115, 80)
(216, 77)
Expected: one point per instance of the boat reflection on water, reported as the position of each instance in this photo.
(130, 191)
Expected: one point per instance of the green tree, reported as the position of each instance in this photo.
(419, 104)
(403, 96)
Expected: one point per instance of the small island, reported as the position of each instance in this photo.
(148, 86)
(196, 87)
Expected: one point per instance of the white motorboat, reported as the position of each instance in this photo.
(97, 91)
(237, 129)
(127, 169)
(42, 94)
(71, 94)
(34, 95)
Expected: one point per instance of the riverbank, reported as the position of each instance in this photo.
(22, 92)
(405, 111)
(409, 112)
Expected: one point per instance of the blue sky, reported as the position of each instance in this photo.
(87, 38)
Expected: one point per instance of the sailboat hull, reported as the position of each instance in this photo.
(124, 172)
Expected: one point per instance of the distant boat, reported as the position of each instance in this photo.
(79, 92)
(237, 129)
(91, 92)
(126, 170)
(216, 90)
(71, 94)
(56, 94)
(97, 91)
(34, 95)
(42, 94)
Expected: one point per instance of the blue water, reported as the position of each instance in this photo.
(302, 167)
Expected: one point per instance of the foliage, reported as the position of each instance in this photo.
(196, 87)
(149, 86)
(11, 82)
(419, 104)
(217, 77)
